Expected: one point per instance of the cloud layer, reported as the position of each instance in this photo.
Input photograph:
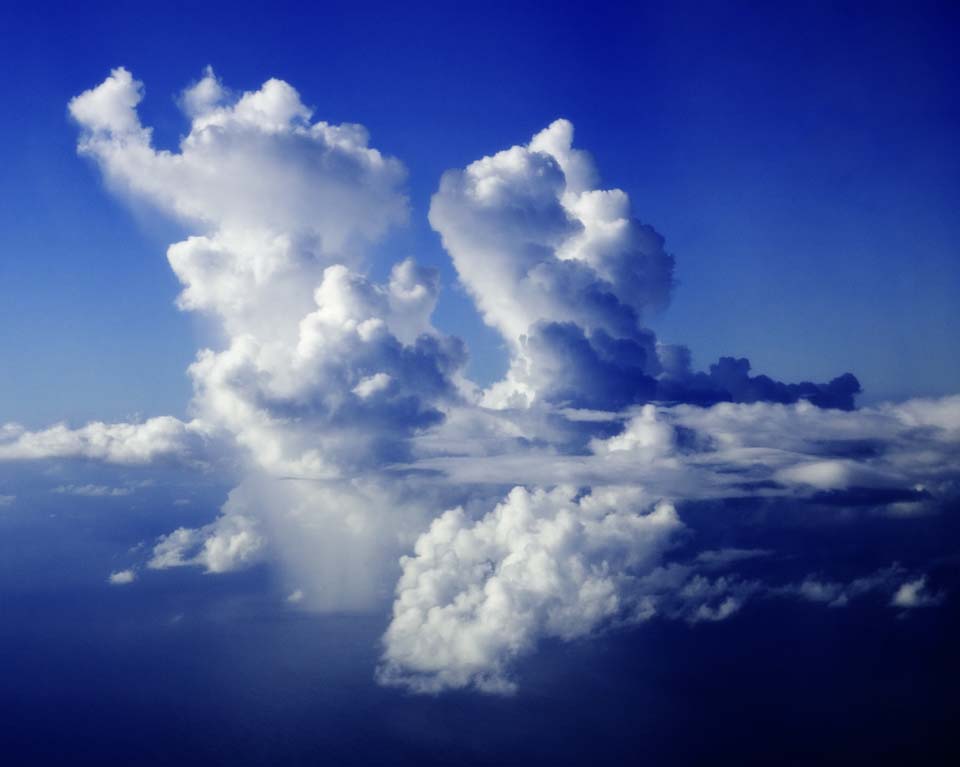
(479, 593)
(325, 374)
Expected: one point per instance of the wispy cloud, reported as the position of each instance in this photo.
(93, 491)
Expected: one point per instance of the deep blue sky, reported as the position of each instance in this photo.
(801, 163)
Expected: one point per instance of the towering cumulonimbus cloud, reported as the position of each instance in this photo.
(567, 274)
(285, 209)
(560, 269)
(566, 486)
(324, 373)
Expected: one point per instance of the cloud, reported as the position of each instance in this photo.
(371, 385)
(567, 274)
(644, 434)
(885, 457)
(475, 595)
(296, 596)
(561, 269)
(914, 594)
(7, 500)
(729, 380)
(122, 577)
(838, 594)
(720, 558)
(110, 108)
(441, 636)
(283, 210)
(478, 594)
(93, 491)
(255, 164)
(351, 423)
(324, 370)
(230, 543)
(324, 374)
(685, 591)
(163, 437)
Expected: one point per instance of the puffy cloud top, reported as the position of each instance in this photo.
(542, 564)
(256, 161)
(566, 273)
(323, 374)
(323, 368)
(559, 268)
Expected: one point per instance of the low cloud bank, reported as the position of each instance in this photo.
(479, 592)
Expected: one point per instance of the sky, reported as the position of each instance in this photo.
(771, 147)
(479, 384)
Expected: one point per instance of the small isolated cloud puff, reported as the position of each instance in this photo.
(371, 385)
(122, 577)
(645, 433)
(914, 594)
(836, 594)
(720, 558)
(230, 543)
(7, 500)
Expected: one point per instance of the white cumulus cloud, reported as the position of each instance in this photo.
(323, 373)
(560, 268)
(476, 594)
(914, 594)
(122, 443)
(122, 577)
